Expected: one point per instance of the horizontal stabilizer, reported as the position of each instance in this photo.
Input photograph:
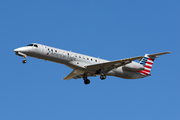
(157, 54)
(148, 61)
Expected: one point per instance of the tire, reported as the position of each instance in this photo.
(86, 81)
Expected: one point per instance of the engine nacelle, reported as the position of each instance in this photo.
(133, 66)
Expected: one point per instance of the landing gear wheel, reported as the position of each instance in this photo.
(24, 61)
(102, 77)
(86, 81)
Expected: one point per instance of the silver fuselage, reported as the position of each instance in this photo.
(76, 60)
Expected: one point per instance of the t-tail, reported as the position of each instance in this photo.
(148, 61)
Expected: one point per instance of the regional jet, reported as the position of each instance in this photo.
(86, 66)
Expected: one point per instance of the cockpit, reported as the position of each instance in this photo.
(35, 45)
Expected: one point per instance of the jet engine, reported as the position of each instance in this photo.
(133, 67)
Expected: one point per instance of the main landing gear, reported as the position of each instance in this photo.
(102, 76)
(86, 81)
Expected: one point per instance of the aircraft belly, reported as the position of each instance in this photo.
(120, 72)
(111, 73)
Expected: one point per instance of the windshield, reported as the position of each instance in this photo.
(30, 45)
(35, 45)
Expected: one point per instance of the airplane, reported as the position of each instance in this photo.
(86, 66)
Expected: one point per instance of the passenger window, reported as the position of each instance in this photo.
(87, 58)
(48, 49)
(96, 60)
(64, 52)
(83, 57)
(51, 49)
(79, 56)
(75, 55)
(59, 51)
(72, 55)
(91, 59)
(68, 54)
(55, 50)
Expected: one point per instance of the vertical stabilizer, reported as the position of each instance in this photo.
(147, 62)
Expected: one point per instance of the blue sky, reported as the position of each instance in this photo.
(110, 30)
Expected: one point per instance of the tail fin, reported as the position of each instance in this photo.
(147, 62)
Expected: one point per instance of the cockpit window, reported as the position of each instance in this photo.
(35, 45)
(30, 45)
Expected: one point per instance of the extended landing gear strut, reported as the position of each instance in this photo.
(103, 75)
(22, 55)
(24, 61)
(86, 81)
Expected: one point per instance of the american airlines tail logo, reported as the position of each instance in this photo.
(147, 63)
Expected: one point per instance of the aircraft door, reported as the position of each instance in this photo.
(41, 49)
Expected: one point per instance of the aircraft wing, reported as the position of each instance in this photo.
(73, 74)
(107, 66)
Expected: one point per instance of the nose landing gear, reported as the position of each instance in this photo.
(22, 55)
(24, 61)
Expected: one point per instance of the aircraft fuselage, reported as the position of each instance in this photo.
(80, 61)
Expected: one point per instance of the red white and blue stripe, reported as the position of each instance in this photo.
(147, 63)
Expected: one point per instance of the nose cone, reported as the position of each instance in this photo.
(21, 49)
(16, 50)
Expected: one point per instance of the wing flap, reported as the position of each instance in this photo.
(73, 74)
